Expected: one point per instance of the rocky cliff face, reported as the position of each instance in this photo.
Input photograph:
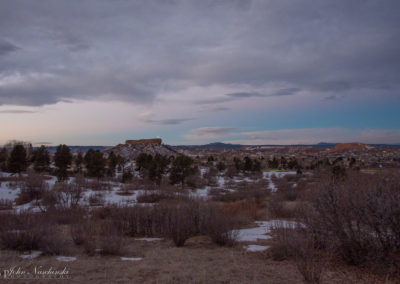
(156, 141)
(131, 151)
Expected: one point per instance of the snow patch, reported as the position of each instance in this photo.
(201, 192)
(131, 258)
(256, 248)
(263, 230)
(149, 239)
(33, 254)
(66, 258)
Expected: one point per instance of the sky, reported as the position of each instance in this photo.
(98, 72)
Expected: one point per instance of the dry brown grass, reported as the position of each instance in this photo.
(198, 262)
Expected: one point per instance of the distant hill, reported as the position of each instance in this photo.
(210, 146)
(325, 144)
(220, 145)
(357, 147)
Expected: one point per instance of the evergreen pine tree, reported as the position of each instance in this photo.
(62, 160)
(17, 162)
(41, 159)
(182, 167)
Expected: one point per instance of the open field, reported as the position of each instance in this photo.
(235, 218)
(199, 261)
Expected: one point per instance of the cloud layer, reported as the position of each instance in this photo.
(294, 136)
(135, 51)
(257, 64)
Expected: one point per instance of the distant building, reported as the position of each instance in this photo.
(154, 141)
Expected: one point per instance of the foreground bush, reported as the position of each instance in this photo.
(359, 219)
(178, 219)
(30, 231)
(182, 221)
(294, 242)
(219, 226)
(110, 239)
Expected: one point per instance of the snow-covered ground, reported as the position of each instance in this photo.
(112, 196)
(262, 232)
(8, 193)
(269, 175)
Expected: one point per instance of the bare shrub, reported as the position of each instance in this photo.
(30, 231)
(104, 212)
(32, 188)
(23, 231)
(97, 185)
(177, 219)
(245, 209)
(283, 244)
(84, 233)
(210, 176)
(80, 181)
(219, 226)
(136, 220)
(110, 239)
(65, 216)
(247, 193)
(309, 259)
(359, 218)
(79, 232)
(196, 181)
(96, 199)
(126, 189)
(277, 208)
(53, 243)
(6, 204)
(182, 221)
(67, 195)
(9, 178)
(231, 171)
(153, 197)
(89, 238)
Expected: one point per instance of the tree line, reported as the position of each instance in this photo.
(94, 164)
(18, 158)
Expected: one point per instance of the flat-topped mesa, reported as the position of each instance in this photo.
(154, 141)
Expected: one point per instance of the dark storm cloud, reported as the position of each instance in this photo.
(172, 121)
(229, 97)
(136, 50)
(286, 92)
(244, 95)
(241, 95)
(6, 47)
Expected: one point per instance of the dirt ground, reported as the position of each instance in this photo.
(199, 261)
